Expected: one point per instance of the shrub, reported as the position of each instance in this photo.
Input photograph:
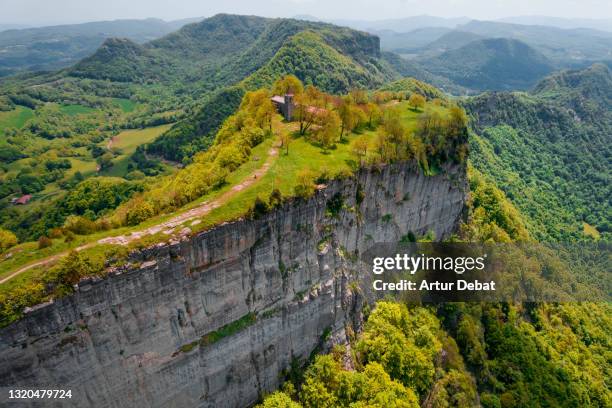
(44, 242)
(276, 198)
(140, 211)
(259, 209)
(7, 240)
(79, 225)
(305, 186)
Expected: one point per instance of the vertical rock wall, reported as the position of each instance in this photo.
(216, 320)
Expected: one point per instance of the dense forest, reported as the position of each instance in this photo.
(549, 151)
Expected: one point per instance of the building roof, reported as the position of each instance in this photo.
(23, 199)
(278, 99)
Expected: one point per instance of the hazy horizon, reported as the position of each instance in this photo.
(40, 13)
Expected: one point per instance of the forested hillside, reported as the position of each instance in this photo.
(332, 58)
(56, 47)
(495, 64)
(550, 152)
(78, 121)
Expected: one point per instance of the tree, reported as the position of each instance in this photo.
(285, 138)
(7, 240)
(308, 105)
(258, 210)
(360, 149)
(372, 113)
(79, 225)
(139, 211)
(391, 142)
(288, 84)
(305, 186)
(73, 267)
(329, 122)
(260, 106)
(349, 116)
(457, 121)
(276, 198)
(105, 161)
(417, 101)
(278, 399)
(359, 96)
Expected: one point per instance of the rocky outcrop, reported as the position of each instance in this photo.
(216, 320)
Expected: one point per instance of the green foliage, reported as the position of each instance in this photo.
(408, 86)
(551, 164)
(491, 63)
(334, 205)
(278, 399)
(305, 186)
(259, 209)
(417, 101)
(76, 210)
(310, 58)
(196, 133)
(59, 280)
(404, 343)
(241, 132)
(493, 217)
(328, 385)
(7, 240)
(98, 195)
(229, 329)
(530, 355)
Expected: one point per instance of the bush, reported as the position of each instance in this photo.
(7, 240)
(44, 242)
(259, 209)
(139, 212)
(305, 186)
(79, 225)
(276, 198)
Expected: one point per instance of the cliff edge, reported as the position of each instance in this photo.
(217, 319)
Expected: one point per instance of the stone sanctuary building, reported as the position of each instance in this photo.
(285, 105)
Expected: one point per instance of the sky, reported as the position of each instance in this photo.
(42, 12)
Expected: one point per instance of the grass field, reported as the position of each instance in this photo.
(73, 110)
(15, 118)
(126, 105)
(126, 142)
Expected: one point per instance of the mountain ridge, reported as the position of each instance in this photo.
(491, 63)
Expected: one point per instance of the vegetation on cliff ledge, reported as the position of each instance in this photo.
(257, 161)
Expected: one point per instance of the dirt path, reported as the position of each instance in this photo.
(109, 144)
(167, 226)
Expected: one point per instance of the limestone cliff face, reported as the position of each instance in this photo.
(215, 320)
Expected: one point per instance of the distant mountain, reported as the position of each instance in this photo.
(450, 40)
(11, 26)
(592, 23)
(587, 92)
(564, 47)
(491, 64)
(411, 41)
(54, 47)
(549, 150)
(307, 17)
(226, 55)
(411, 68)
(403, 25)
(593, 84)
